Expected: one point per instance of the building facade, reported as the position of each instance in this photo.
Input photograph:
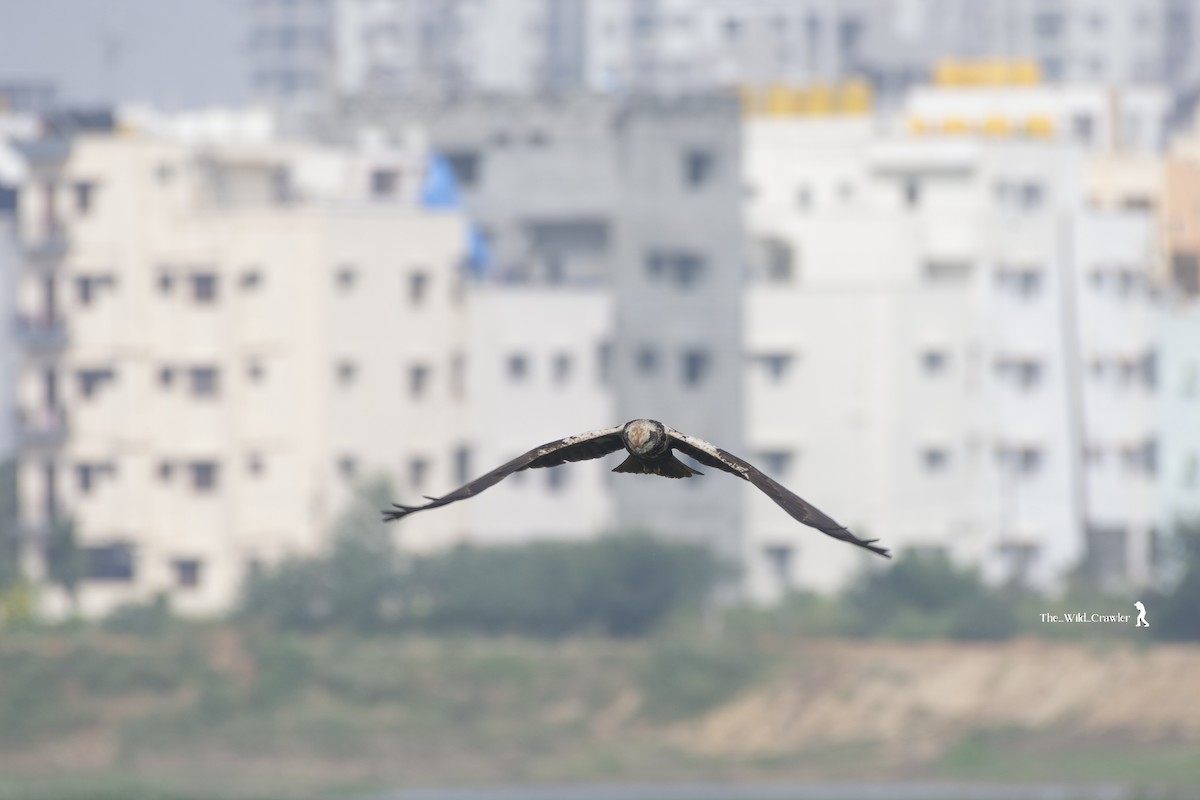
(952, 349)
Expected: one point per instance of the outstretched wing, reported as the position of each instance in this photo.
(799, 508)
(573, 448)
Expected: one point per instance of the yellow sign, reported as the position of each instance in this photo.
(815, 100)
(986, 72)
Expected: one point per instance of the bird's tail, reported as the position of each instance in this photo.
(669, 467)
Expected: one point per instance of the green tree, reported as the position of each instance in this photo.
(1175, 614)
(357, 584)
(10, 567)
(922, 595)
(64, 559)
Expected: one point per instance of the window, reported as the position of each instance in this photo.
(779, 559)
(166, 281)
(89, 474)
(947, 271)
(556, 479)
(775, 366)
(912, 193)
(698, 167)
(466, 165)
(204, 476)
(204, 288)
(84, 194)
(251, 279)
(88, 287)
(935, 459)
(1021, 460)
(346, 371)
(647, 360)
(418, 380)
(778, 258)
(462, 464)
(776, 463)
(1025, 373)
(934, 361)
(256, 370)
(114, 562)
(1142, 457)
(204, 381)
(1031, 196)
(696, 364)
(384, 182)
(347, 467)
(187, 572)
(418, 470)
(458, 374)
(418, 287)
(255, 464)
(518, 367)
(1083, 127)
(604, 362)
(683, 269)
(1048, 24)
(165, 470)
(562, 368)
(91, 380)
(345, 278)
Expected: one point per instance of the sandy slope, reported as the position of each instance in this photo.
(915, 698)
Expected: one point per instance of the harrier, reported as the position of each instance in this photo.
(650, 445)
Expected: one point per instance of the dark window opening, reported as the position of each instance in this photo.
(518, 367)
(205, 381)
(204, 288)
(111, 562)
(91, 380)
(418, 380)
(204, 476)
(699, 167)
(187, 572)
(696, 365)
(466, 165)
(418, 287)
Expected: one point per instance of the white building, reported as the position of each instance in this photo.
(223, 334)
(214, 338)
(948, 349)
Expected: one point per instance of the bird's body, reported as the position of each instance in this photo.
(650, 445)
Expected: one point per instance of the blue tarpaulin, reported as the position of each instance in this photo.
(439, 189)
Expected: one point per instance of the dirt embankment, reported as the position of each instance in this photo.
(916, 698)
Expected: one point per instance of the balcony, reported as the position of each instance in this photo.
(41, 427)
(42, 334)
(48, 250)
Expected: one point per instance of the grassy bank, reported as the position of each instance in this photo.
(222, 710)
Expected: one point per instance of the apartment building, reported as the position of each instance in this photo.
(955, 339)
(218, 339)
(635, 197)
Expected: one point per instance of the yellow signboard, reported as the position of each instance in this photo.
(986, 72)
(814, 100)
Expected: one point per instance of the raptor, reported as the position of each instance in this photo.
(651, 446)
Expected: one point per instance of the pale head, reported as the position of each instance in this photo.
(644, 437)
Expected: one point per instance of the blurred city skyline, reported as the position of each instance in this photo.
(948, 296)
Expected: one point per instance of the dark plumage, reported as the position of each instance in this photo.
(650, 445)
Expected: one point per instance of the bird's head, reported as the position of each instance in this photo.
(645, 437)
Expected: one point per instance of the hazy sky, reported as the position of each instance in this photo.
(174, 53)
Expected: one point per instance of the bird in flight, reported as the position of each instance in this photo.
(650, 445)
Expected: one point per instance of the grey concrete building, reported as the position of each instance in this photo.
(423, 47)
(641, 195)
